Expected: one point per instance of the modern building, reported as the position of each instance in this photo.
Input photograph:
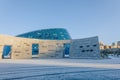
(48, 43)
(85, 48)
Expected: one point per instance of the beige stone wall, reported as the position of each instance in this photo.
(22, 47)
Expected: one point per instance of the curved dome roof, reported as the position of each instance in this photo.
(49, 34)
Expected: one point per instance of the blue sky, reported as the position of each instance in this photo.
(82, 18)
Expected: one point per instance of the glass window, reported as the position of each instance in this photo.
(35, 49)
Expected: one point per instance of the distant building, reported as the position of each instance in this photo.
(114, 48)
(118, 43)
(101, 44)
(114, 44)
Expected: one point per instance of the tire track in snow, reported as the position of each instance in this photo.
(60, 73)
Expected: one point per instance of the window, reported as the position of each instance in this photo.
(66, 49)
(94, 45)
(35, 49)
(7, 51)
(81, 46)
(91, 50)
(83, 51)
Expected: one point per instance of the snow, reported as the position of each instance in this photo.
(60, 69)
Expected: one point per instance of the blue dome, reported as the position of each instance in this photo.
(48, 34)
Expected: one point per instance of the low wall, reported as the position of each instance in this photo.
(22, 47)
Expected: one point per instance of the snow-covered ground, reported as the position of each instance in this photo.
(60, 69)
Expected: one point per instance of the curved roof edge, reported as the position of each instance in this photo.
(42, 29)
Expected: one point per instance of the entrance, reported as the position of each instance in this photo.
(6, 52)
(66, 50)
(35, 49)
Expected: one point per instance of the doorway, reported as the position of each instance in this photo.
(66, 50)
(6, 52)
(35, 49)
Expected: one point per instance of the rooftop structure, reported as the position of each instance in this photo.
(49, 34)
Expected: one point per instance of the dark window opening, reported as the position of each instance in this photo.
(83, 50)
(91, 50)
(95, 45)
(81, 46)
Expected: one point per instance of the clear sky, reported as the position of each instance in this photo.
(82, 18)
